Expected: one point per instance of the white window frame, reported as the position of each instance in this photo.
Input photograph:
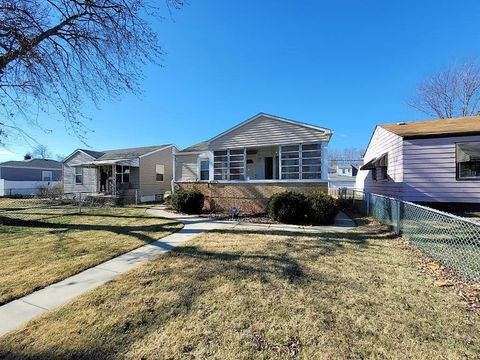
(457, 164)
(76, 173)
(200, 161)
(300, 158)
(47, 173)
(229, 162)
(162, 172)
(122, 174)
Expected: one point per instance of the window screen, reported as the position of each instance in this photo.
(229, 164)
(78, 175)
(301, 161)
(204, 170)
(123, 173)
(46, 175)
(159, 172)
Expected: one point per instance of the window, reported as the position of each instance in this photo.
(46, 175)
(159, 172)
(78, 175)
(468, 160)
(301, 161)
(204, 170)
(229, 164)
(123, 173)
(374, 174)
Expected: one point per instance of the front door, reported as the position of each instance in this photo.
(269, 168)
(250, 169)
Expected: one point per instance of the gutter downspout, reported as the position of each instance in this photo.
(173, 169)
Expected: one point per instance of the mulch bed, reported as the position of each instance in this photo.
(251, 218)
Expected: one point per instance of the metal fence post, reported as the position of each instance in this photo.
(79, 203)
(397, 225)
(367, 207)
(136, 196)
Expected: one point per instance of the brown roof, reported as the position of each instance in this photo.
(436, 128)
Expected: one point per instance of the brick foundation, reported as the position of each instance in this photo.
(247, 197)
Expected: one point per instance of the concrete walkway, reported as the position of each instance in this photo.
(18, 312)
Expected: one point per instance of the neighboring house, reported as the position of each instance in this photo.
(26, 177)
(243, 166)
(424, 161)
(342, 173)
(145, 172)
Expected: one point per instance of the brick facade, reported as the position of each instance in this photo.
(247, 197)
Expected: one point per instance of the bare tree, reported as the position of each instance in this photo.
(54, 54)
(41, 152)
(452, 92)
(346, 154)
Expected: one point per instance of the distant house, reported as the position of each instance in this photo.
(26, 177)
(145, 172)
(425, 161)
(342, 173)
(243, 166)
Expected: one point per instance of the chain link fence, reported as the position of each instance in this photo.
(43, 205)
(452, 240)
(18, 208)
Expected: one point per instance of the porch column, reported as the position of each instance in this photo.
(114, 182)
(279, 162)
(245, 164)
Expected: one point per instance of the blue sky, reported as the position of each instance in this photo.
(345, 65)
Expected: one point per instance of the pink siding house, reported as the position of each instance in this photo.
(424, 161)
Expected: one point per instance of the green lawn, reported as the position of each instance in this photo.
(245, 294)
(46, 244)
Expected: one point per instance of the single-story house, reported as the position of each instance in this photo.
(243, 166)
(432, 161)
(143, 172)
(27, 177)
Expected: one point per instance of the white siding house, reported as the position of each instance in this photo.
(419, 161)
(245, 165)
(262, 148)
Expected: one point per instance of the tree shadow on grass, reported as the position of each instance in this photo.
(138, 231)
(198, 271)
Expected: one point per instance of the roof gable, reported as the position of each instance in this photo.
(264, 130)
(120, 154)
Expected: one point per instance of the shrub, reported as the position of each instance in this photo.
(322, 209)
(188, 201)
(288, 207)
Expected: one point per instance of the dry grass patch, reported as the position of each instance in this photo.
(55, 245)
(246, 294)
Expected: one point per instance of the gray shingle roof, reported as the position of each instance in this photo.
(129, 153)
(202, 146)
(34, 163)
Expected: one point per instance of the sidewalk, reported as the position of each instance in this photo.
(17, 312)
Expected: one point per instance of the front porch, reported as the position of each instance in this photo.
(295, 162)
(111, 178)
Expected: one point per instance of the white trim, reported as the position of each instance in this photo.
(270, 181)
(50, 175)
(174, 164)
(78, 150)
(189, 152)
(205, 156)
(157, 150)
(157, 173)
